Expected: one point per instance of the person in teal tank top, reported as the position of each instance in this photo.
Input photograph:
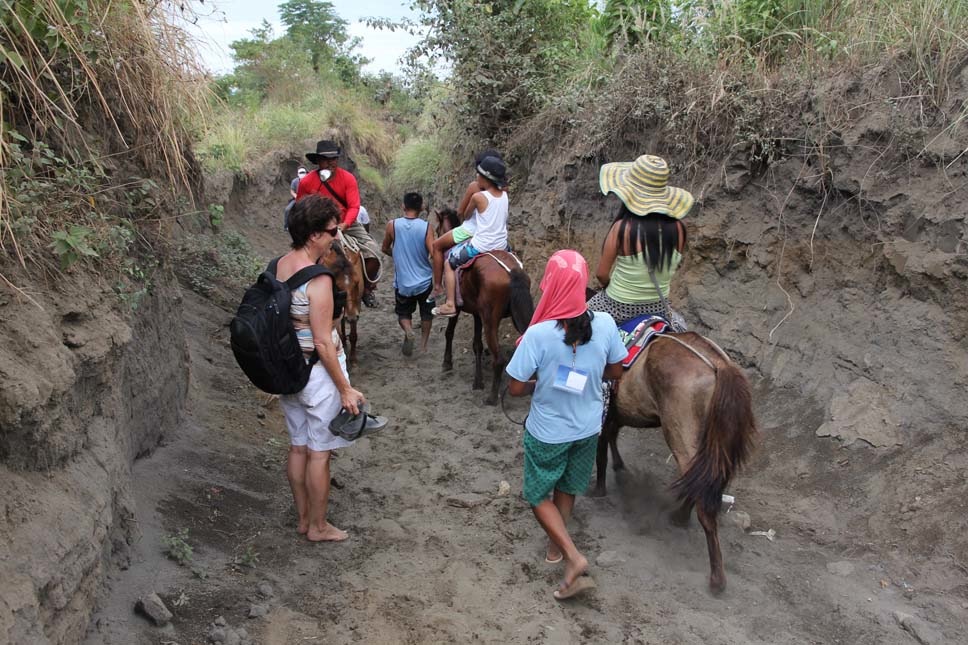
(647, 233)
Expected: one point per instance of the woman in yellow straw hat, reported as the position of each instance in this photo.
(644, 245)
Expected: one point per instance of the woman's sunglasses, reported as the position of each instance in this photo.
(332, 231)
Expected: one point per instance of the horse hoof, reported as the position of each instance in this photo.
(478, 386)
(490, 401)
(448, 367)
(598, 491)
(618, 466)
(717, 586)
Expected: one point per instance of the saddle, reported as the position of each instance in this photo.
(639, 332)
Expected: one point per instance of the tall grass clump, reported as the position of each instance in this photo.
(95, 125)
(417, 168)
(238, 135)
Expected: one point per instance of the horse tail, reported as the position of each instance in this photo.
(522, 306)
(725, 443)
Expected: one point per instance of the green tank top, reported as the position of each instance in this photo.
(630, 282)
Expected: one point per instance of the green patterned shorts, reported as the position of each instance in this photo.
(557, 466)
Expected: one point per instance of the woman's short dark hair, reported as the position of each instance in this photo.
(578, 329)
(309, 215)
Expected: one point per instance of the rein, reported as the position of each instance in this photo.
(504, 410)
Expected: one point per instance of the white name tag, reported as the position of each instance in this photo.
(568, 379)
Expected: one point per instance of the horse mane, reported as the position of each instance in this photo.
(447, 220)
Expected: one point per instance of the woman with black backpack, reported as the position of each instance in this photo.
(313, 227)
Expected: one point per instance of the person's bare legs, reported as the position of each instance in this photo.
(317, 483)
(439, 250)
(551, 521)
(425, 326)
(450, 282)
(406, 324)
(296, 471)
(564, 503)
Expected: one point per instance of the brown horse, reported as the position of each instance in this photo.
(702, 400)
(348, 267)
(490, 292)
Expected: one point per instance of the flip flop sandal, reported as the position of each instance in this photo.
(581, 583)
(436, 312)
(560, 558)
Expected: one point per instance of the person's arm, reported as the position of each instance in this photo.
(472, 189)
(609, 252)
(478, 202)
(682, 236)
(429, 239)
(351, 195)
(522, 388)
(388, 239)
(613, 371)
(302, 189)
(320, 292)
(522, 367)
(616, 351)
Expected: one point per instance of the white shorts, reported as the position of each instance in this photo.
(309, 412)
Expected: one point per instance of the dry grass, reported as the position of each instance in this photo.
(104, 86)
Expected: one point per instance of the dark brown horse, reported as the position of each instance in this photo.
(688, 386)
(348, 267)
(489, 292)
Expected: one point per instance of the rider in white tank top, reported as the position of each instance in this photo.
(492, 224)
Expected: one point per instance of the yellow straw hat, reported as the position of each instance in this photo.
(642, 185)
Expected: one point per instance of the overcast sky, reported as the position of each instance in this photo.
(233, 19)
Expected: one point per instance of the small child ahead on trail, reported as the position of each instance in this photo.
(409, 240)
(488, 209)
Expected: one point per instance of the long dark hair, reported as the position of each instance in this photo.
(578, 329)
(655, 233)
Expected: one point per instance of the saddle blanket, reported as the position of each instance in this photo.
(638, 332)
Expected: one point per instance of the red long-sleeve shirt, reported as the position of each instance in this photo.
(343, 184)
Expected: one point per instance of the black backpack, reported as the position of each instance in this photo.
(262, 336)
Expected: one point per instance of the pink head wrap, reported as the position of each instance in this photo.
(563, 288)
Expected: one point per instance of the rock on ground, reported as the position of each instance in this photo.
(154, 608)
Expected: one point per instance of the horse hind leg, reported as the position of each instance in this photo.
(491, 330)
(717, 575)
(609, 437)
(353, 336)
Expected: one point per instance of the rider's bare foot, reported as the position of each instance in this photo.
(329, 533)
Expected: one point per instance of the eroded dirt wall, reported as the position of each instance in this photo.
(86, 386)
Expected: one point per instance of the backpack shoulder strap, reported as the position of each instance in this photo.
(306, 274)
(273, 266)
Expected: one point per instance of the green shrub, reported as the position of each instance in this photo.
(177, 548)
(417, 168)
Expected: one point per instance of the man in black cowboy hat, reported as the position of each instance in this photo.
(332, 182)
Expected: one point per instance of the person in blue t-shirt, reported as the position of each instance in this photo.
(562, 358)
(409, 239)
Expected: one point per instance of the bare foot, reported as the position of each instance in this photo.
(303, 528)
(329, 534)
(553, 555)
(573, 570)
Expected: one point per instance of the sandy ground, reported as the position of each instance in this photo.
(436, 554)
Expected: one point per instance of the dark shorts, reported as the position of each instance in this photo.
(406, 305)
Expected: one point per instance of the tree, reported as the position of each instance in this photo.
(315, 25)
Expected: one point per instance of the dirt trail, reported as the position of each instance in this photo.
(420, 568)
